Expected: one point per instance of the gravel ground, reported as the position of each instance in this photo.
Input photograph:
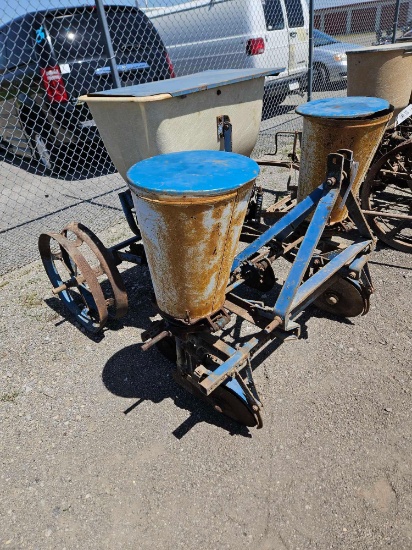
(100, 448)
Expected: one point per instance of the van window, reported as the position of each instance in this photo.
(19, 43)
(131, 31)
(273, 15)
(73, 36)
(3, 62)
(77, 36)
(295, 13)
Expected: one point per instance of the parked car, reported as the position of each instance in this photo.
(210, 34)
(49, 58)
(329, 60)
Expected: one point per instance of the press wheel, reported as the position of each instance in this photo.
(103, 265)
(344, 298)
(73, 280)
(226, 400)
(388, 189)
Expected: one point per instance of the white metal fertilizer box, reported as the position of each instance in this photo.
(179, 114)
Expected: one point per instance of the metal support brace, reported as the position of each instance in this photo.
(314, 232)
(224, 130)
(285, 226)
(294, 295)
(315, 285)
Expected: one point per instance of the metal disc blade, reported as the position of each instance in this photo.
(342, 298)
(230, 402)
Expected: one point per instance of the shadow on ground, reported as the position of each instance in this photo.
(147, 376)
(70, 164)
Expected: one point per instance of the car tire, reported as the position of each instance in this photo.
(320, 77)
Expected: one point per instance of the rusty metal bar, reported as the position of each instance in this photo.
(236, 361)
(80, 279)
(156, 339)
(386, 215)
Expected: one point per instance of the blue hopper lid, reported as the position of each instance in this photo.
(192, 173)
(345, 107)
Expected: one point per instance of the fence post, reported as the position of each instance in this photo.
(395, 20)
(104, 29)
(310, 44)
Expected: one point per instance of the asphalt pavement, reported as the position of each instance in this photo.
(101, 449)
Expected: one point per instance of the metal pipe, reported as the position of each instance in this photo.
(395, 21)
(310, 61)
(156, 339)
(104, 29)
(386, 215)
(123, 244)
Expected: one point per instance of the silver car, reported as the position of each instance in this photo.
(329, 60)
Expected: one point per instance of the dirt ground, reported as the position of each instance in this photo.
(101, 449)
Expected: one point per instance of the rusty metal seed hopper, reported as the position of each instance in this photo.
(192, 208)
(382, 71)
(386, 71)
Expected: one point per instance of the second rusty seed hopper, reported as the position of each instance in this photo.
(386, 71)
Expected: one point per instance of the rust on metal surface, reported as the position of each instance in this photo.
(85, 272)
(395, 216)
(107, 266)
(190, 246)
(322, 135)
(391, 235)
(156, 339)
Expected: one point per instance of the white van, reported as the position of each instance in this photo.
(220, 34)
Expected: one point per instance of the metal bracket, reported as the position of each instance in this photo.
(224, 130)
(126, 201)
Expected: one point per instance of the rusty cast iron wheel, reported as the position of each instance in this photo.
(384, 191)
(103, 265)
(344, 298)
(73, 280)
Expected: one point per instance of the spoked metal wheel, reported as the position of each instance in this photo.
(73, 280)
(386, 197)
(74, 269)
(103, 265)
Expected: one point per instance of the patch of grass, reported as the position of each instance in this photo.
(9, 397)
(32, 299)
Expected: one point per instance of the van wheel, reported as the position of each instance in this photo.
(320, 78)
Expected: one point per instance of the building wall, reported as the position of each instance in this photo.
(361, 17)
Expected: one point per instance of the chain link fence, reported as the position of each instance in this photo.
(53, 164)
